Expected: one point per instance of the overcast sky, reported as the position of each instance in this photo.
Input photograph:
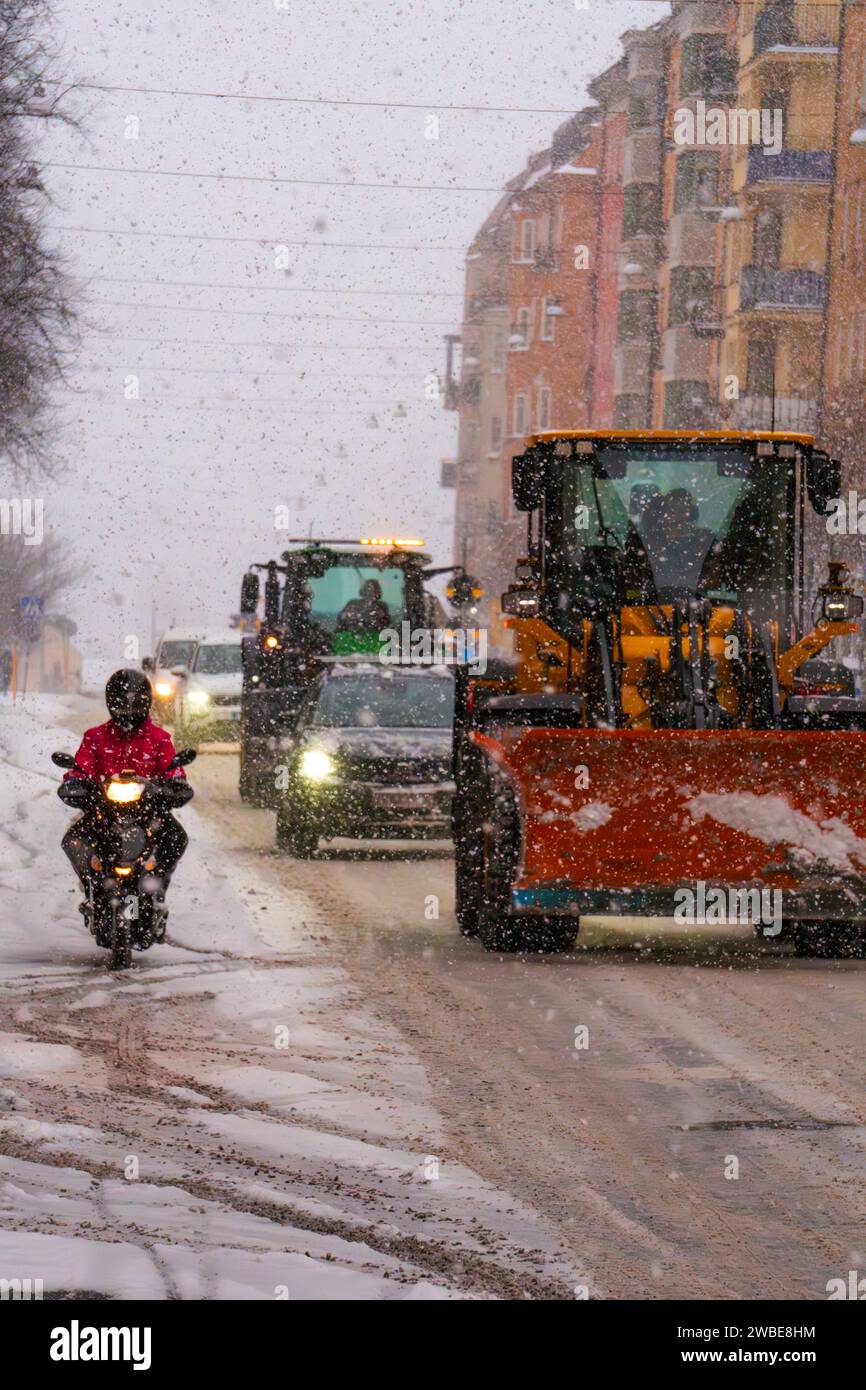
(267, 387)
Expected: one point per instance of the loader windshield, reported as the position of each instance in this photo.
(710, 521)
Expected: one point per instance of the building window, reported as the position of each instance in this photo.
(767, 243)
(495, 433)
(706, 66)
(640, 210)
(521, 422)
(690, 293)
(524, 249)
(641, 111)
(544, 407)
(497, 357)
(520, 338)
(548, 320)
(761, 372)
(686, 404)
(696, 180)
(637, 312)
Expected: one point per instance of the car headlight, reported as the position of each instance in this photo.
(199, 699)
(315, 764)
(164, 690)
(124, 791)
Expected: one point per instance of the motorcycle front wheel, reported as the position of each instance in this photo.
(121, 939)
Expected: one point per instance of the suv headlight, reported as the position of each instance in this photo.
(199, 699)
(315, 764)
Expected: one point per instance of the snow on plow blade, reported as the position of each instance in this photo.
(616, 821)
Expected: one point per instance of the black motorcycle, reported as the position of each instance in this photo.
(125, 815)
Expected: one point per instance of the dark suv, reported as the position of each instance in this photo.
(371, 758)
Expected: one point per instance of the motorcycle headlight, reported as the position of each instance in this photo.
(164, 689)
(316, 764)
(124, 791)
(199, 699)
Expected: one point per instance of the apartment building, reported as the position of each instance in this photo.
(776, 242)
(526, 345)
(844, 366)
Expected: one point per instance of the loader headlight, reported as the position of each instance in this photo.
(316, 764)
(164, 689)
(199, 699)
(124, 792)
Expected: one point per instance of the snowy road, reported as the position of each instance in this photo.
(318, 1090)
(699, 1054)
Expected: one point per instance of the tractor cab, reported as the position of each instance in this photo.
(640, 537)
(324, 600)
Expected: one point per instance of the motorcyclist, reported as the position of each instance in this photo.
(128, 741)
(367, 613)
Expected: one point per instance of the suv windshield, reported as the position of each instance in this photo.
(176, 653)
(218, 658)
(385, 702)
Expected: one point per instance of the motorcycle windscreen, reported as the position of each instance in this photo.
(629, 809)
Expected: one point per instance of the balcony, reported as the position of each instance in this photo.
(767, 288)
(786, 25)
(796, 413)
(790, 166)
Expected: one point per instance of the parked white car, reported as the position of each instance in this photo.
(209, 696)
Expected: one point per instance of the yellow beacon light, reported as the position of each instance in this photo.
(402, 541)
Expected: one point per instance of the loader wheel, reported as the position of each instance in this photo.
(469, 851)
(829, 940)
(497, 929)
(297, 839)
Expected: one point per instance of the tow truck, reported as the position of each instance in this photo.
(653, 736)
(306, 593)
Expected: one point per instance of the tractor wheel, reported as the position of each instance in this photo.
(296, 838)
(498, 930)
(829, 940)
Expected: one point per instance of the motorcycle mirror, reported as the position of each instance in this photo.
(62, 759)
(183, 759)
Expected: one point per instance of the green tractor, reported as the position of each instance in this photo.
(324, 599)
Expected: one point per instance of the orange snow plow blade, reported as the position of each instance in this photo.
(617, 821)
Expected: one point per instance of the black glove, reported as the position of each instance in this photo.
(78, 792)
(175, 791)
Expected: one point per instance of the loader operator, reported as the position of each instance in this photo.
(676, 546)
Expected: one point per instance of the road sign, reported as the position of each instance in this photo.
(31, 608)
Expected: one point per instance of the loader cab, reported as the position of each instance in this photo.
(654, 519)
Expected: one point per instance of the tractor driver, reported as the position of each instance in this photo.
(367, 614)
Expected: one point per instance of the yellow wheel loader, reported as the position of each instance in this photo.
(655, 742)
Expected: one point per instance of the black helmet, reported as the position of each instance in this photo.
(128, 696)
